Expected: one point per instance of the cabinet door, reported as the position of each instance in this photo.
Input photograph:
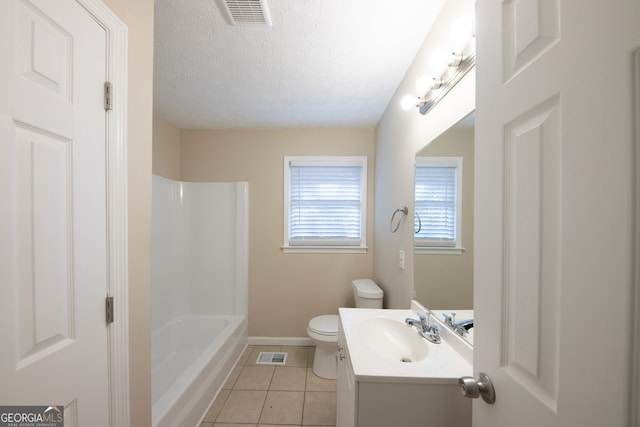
(347, 390)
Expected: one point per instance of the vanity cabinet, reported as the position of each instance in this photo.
(384, 401)
(346, 393)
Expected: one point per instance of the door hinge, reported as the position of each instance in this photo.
(109, 310)
(108, 95)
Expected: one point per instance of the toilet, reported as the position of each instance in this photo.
(323, 330)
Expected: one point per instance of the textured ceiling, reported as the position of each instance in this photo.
(323, 63)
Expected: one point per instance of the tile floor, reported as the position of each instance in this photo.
(269, 396)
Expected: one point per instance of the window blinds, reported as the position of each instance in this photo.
(325, 204)
(435, 204)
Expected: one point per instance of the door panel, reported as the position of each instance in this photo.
(44, 244)
(43, 51)
(554, 211)
(531, 28)
(532, 206)
(53, 245)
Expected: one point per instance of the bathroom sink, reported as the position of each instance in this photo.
(382, 348)
(391, 339)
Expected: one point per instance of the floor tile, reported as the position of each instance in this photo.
(278, 425)
(233, 376)
(274, 396)
(312, 356)
(242, 406)
(283, 407)
(216, 406)
(254, 378)
(289, 379)
(319, 408)
(245, 355)
(297, 356)
(315, 383)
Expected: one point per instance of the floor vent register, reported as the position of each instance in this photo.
(270, 358)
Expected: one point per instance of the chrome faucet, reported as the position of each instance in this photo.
(462, 327)
(449, 320)
(423, 322)
(430, 332)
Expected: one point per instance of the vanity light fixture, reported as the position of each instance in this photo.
(460, 63)
(453, 67)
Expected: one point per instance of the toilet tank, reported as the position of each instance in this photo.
(367, 294)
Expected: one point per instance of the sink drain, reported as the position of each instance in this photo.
(405, 360)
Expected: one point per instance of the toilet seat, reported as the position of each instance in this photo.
(326, 325)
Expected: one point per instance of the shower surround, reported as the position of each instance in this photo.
(199, 294)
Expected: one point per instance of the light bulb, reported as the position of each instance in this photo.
(439, 59)
(408, 101)
(423, 84)
(462, 29)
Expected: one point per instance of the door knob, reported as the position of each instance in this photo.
(473, 388)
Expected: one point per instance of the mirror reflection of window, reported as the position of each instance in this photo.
(438, 200)
(443, 275)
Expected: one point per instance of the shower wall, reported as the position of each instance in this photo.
(199, 260)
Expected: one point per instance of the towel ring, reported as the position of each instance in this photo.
(405, 211)
(416, 216)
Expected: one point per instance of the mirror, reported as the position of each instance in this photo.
(443, 275)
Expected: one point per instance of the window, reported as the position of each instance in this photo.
(438, 201)
(325, 204)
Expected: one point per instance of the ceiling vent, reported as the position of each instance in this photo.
(247, 12)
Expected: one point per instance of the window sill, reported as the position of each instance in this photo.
(438, 251)
(324, 249)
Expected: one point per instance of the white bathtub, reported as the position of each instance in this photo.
(191, 358)
(199, 294)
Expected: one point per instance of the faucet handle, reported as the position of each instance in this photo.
(424, 320)
(449, 320)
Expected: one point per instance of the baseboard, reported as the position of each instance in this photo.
(283, 341)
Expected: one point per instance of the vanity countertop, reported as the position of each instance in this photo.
(444, 363)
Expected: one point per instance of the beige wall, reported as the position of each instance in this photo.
(285, 290)
(166, 149)
(399, 135)
(446, 281)
(138, 17)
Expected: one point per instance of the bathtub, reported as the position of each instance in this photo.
(199, 294)
(191, 359)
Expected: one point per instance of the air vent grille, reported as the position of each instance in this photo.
(268, 358)
(248, 12)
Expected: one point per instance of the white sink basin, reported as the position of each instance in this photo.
(391, 339)
(382, 348)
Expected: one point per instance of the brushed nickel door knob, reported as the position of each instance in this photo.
(482, 387)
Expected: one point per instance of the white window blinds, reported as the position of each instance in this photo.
(326, 199)
(437, 201)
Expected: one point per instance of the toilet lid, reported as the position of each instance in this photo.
(324, 325)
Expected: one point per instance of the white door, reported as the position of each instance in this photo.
(53, 247)
(555, 210)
